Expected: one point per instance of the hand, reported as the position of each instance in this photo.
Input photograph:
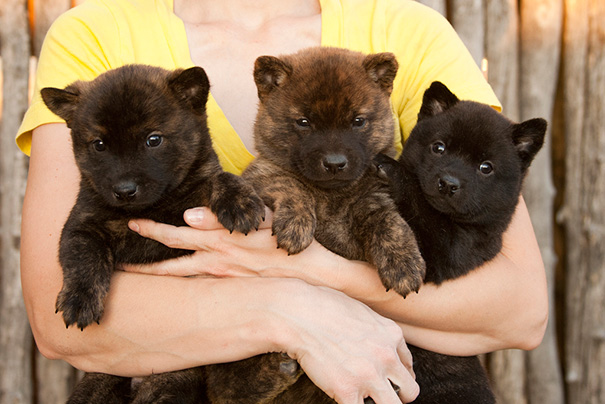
(348, 350)
(221, 254)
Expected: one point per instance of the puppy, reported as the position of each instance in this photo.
(143, 149)
(457, 184)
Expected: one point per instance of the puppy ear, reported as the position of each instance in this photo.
(191, 86)
(269, 73)
(437, 98)
(528, 137)
(382, 69)
(62, 102)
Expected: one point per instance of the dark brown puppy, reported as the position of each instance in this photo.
(324, 114)
(457, 184)
(142, 145)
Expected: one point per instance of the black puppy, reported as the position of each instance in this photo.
(143, 148)
(457, 184)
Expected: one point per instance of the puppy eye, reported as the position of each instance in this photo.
(486, 168)
(303, 122)
(98, 145)
(154, 140)
(438, 147)
(359, 122)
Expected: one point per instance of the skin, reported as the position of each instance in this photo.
(331, 314)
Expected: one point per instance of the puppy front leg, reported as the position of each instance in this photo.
(294, 216)
(390, 245)
(235, 203)
(88, 263)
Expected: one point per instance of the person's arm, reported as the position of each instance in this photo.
(502, 304)
(157, 324)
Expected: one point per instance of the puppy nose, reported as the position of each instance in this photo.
(125, 190)
(448, 185)
(335, 162)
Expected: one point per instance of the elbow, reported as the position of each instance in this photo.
(48, 344)
(534, 332)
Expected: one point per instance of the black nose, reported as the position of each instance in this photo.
(125, 190)
(448, 185)
(335, 162)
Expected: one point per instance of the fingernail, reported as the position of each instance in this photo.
(133, 226)
(195, 215)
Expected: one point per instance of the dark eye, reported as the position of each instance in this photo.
(98, 145)
(438, 147)
(486, 168)
(154, 140)
(359, 122)
(303, 122)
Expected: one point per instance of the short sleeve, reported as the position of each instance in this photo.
(76, 47)
(428, 49)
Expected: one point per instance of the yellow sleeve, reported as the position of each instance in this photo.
(72, 50)
(428, 49)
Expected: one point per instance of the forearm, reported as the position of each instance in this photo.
(502, 304)
(157, 324)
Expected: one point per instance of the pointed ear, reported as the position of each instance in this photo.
(437, 98)
(62, 102)
(269, 73)
(190, 86)
(382, 69)
(528, 137)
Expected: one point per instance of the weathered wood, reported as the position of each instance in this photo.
(541, 26)
(501, 51)
(584, 209)
(507, 368)
(15, 335)
(467, 17)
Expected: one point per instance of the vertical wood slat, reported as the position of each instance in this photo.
(540, 30)
(467, 17)
(507, 368)
(15, 335)
(583, 211)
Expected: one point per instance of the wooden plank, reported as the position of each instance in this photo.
(467, 17)
(540, 32)
(15, 335)
(583, 211)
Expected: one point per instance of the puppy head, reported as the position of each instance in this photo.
(324, 113)
(469, 159)
(136, 130)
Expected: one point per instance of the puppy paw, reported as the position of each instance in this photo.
(294, 230)
(404, 272)
(80, 307)
(236, 205)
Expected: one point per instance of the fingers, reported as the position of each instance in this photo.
(182, 237)
(406, 357)
(202, 218)
(395, 394)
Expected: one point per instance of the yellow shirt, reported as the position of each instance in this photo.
(103, 34)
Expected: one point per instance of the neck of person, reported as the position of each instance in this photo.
(244, 13)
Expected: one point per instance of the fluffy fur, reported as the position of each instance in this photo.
(457, 184)
(324, 114)
(142, 145)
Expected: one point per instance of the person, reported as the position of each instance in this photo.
(330, 314)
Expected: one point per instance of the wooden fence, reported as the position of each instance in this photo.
(546, 58)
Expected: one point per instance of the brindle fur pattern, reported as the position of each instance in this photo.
(324, 114)
(142, 146)
(457, 184)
